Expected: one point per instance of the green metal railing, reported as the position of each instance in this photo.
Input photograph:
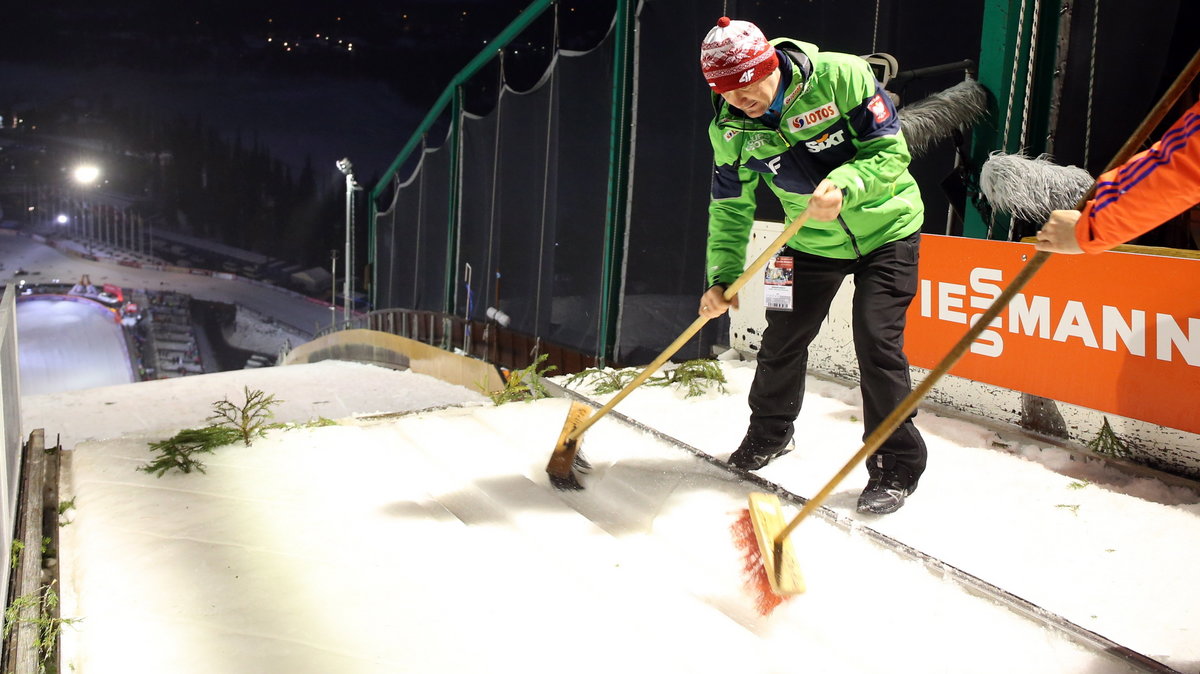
(452, 94)
(619, 157)
(618, 179)
(1011, 30)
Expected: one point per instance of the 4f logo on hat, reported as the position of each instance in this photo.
(747, 76)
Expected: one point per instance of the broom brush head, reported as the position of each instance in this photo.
(937, 116)
(568, 480)
(1029, 188)
(754, 570)
(769, 566)
(567, 462)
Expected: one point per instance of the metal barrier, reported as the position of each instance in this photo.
(488, 341)
(10, 421)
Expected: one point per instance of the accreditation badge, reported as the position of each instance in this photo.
(777, 283)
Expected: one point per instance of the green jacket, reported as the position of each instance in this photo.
(836, 122)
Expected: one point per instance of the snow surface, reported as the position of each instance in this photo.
(44, 264)
(253, 331)
(64, 345)
(430, 541)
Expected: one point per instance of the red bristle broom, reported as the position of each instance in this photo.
(754, 568)
(776, 572)
(772, 573)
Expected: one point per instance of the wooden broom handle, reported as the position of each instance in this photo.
(692, 329)
(910, 402)
(1155, 116)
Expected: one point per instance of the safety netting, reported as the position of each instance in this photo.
(534, 187)
(574, 210)
(411, 237)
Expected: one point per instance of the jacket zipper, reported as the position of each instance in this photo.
(841, 221)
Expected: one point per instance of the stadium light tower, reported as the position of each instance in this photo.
(347, 168)
(85, 176)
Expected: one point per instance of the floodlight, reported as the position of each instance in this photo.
(86, 174)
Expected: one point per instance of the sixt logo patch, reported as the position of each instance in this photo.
(879, 109)
(826, 141)
(815, 116)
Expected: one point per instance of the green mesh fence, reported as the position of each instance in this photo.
(572, 209)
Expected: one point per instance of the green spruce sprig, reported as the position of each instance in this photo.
(65, 507)
(181, 451)
(234, 422)
(696, 376)
(601, 382)
(523, 384)
(1106, 443)
(48, 627)
(249, 418)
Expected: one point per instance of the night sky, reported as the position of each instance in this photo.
(310, 79)
(253, 101)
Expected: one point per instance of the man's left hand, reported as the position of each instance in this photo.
(826, 201)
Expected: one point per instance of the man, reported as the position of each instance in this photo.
(1134, 198)
(823, 134)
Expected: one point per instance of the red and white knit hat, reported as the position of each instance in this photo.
(734, 54)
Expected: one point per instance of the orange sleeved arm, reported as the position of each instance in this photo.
(1146, 191)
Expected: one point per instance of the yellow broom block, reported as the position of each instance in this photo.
(779, 560)
(561, 467)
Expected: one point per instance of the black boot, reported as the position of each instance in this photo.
(755, 453)
(887, 487)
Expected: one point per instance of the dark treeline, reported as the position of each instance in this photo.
(184, 176)
(228, 187)
(239, 195)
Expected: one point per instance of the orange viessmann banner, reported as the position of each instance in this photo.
(1115, 332)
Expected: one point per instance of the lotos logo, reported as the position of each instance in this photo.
(814, 116)
(879, 109)
(826, 141)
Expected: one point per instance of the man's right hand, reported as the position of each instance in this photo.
(1058, 234)
(713, 304)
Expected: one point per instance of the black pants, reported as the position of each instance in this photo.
(885, 282)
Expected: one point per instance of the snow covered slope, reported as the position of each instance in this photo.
(427, 540)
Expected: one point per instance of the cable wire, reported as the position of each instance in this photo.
(1087, 129)
(537, 297)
